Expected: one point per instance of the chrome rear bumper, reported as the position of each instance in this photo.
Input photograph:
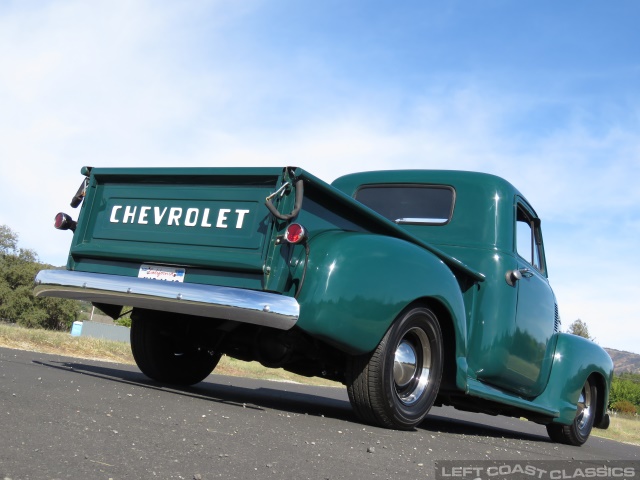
(226, 303)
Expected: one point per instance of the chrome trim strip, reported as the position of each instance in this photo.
(421, 221)
(226, 303)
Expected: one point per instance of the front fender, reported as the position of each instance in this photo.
(575, 359)
(357, 283)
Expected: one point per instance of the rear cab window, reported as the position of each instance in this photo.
(410, 204)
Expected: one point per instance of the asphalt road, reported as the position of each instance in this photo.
(63, 417)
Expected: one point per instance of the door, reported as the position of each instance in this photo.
(536, 312)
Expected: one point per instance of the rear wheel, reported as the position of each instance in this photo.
(396, 385)
(170, 350)
(578, 432)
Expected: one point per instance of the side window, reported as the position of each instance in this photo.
(529, 239)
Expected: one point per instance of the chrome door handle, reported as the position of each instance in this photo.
(525, 272)
(513, 276)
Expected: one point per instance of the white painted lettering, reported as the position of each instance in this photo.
(174, 216)
(205, 218)
(142, 219)
(191, 218)
(114, 210)
(158, 215)
(241, 214)
(129, 214)
(222, 217)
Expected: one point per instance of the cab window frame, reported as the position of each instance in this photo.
(535, 256)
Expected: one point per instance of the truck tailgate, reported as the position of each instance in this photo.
(178, 216)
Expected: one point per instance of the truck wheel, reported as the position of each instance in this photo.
(165, 353)
(396, 385)
(578, 432)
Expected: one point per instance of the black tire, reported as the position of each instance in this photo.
(172, 351)
(578, 432)
(396, 385)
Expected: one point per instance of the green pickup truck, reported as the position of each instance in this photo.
(414, 288)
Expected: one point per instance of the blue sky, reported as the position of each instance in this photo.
(545, 94)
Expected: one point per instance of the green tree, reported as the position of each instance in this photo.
(623, 389)
(632, 377)
(124, 320)
(580, 329)
(18, 268)
(8, 240)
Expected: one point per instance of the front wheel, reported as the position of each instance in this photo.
(578, 432)
(170, 350)
(396, 385)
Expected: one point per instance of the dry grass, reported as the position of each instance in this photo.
(60, 343)
(623, 428)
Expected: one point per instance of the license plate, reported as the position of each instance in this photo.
(156, 272)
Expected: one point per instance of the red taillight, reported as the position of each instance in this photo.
(295, 233)
(64, 222)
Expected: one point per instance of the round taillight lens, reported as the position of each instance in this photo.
(295, 233)
(64, 222)
(60, 221)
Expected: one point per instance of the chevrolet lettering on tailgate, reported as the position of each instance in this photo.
(189, 217)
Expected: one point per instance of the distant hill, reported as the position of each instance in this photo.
(624, 361)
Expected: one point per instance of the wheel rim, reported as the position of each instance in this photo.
(585, 410)
(411, 366)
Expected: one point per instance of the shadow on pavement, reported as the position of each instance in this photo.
(256, 397)
(456, 426)
(218, 388)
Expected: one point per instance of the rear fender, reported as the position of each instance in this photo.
(357, 283)
(575, 360)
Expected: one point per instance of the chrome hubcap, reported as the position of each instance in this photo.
(584, 407)
(404, 364)
(411, 366)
